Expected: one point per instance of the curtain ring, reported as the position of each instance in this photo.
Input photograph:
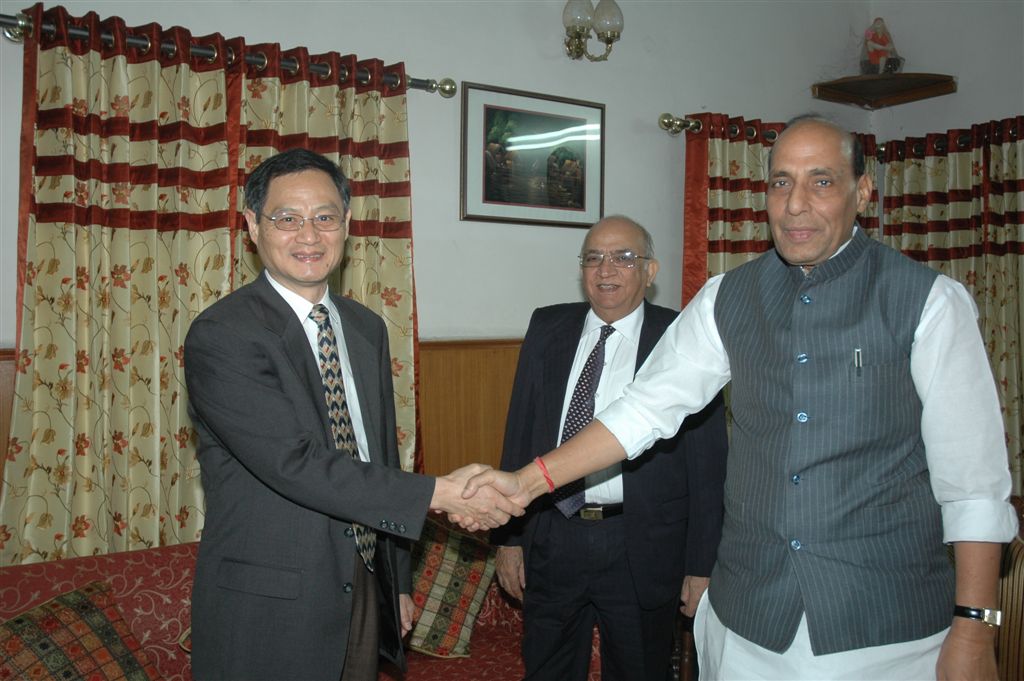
(261, 61)
(290, 65)
(149, 43)
(751, 132)
(326, 74)
(963, 141)
(733, 130)
(170, 49)
(940, 146)
(213, 57)
(229, 57)
(918, 149)
(364, 77)
(343, 74)
(771, 135)
(393, 86)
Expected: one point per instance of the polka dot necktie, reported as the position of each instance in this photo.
(571, 498)
(337, 410)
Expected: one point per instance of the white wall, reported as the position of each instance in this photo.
(981, 43)
(751, 58)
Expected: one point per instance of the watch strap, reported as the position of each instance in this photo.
(989, 616)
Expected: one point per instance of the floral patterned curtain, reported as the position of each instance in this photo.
(955, 201)
(725, 221)
(130, 224)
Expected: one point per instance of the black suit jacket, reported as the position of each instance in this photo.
(672, 493)
(272, 593)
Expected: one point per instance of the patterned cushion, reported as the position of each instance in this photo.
(451, 573)
(152, 588)
(77, 635)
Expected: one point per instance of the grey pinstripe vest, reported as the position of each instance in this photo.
(829, 508)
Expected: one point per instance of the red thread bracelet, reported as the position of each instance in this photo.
(547, 476)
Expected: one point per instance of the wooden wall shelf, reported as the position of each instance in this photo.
(878, 91)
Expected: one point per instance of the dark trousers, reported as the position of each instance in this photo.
(362, 656)
(577, 576)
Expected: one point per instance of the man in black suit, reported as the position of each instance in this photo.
(281, 589)
(646, 535)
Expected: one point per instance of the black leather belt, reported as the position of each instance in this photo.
(600, 511)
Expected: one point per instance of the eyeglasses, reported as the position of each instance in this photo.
(293, 222)
(620, 259)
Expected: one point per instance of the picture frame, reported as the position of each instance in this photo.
(530, 158)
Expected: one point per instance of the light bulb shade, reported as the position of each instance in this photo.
(579, 14)
(607, 17)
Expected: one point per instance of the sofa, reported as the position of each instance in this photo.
(151, 590)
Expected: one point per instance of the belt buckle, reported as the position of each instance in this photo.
(592, 513)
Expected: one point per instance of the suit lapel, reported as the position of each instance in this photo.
(650, 333)
(558, 358)
(281, 320)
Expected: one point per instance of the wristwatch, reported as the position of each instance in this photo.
(991, 617)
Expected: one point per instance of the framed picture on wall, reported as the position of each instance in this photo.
(531, 158)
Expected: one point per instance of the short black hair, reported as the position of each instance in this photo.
(856, 148)
(287, 163)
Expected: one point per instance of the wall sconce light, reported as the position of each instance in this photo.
(579, 17)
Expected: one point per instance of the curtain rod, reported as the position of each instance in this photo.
(675, 125)
(14, 28)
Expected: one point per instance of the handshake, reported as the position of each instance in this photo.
(479, 497)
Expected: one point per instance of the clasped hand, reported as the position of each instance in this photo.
(478, 497)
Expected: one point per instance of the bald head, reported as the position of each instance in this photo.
(851, 147)
(623, 223)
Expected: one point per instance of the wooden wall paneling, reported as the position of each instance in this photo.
(465, 388)
(6, 402)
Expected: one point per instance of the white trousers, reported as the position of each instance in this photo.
(726, 656)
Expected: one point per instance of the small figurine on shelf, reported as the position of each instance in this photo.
(878, 55)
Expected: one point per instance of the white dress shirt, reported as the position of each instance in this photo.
(605, 486)
(302, 308)
(961, 424)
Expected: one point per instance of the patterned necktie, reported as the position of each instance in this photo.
(571, 498)
(337, 410)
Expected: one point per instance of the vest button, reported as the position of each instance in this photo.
(802, 358)
(795, 479)
(795, 544)
(802, 417)
(347, 588)
(349, 532)
(805, 299)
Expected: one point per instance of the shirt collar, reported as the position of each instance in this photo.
(628, 326)
(297, 303)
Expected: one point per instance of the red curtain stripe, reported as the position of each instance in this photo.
(131, 223)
